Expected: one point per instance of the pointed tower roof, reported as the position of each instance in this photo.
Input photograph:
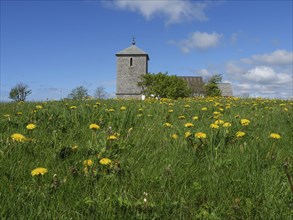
(132, 50)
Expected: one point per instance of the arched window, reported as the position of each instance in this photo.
(130, 61)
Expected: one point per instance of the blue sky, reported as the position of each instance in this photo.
(55, 46)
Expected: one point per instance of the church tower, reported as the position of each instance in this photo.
(132, 63)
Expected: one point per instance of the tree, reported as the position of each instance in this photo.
(211, 87)
(78, 93)
(19, 92)
(164, 86)
(100, 93)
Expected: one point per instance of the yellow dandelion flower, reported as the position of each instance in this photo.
(18, 113)
(31, 126)
(112, 137)
(240, 134)
(74, 148)
(94, 126)
(187, 106)
(105, 161)
(175, 136)
(123, 108)
(167, 124)
(214, 126)
(88, 163)
(226, 125)
(39, 171)
(204, 109)
(187, 134)
(195, 118)
(73, 107)
(286, 109)
(188, 125)
(200, 135)
(219, 122)
(275, 136)
(170, 110)
(216, 113)
(111, 110)
(181, 117)
(244, 122)
(18, 137)
(39, 107)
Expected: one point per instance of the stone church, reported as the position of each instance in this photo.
(132, 63)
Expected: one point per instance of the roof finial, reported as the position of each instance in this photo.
(133, 41)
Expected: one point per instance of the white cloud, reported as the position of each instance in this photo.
(267, 75)
(278, 57)
(199, 41)
(173, 11)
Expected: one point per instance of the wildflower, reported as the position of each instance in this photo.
(175, 136)
(216, 113)
(214, 126)
(39, 107)
(123, 108)
(140, 109)
(244, 122)
(187, 106)
(204, 109)
(227, 124)
(167, 124)
(187, 134)
(39, 171)
(195, 118)
(31, 126)
(240, 134)
(18, 113)
(286, 109)
(275, 136)
(94, 126)
(74, 148)
(105, 161)
(188, 125)
(73, 107)
(181, 117)
(111, 110)
(88, 163)
(219, 122)
(170, 110)
(18, 137)
(112, 137)
(200, 135)
(6, 115)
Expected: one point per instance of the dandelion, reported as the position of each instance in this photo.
(204, 109)
(74, 148)
(73, 107)
(181, 117)
(219, 122)
(175, 136)
(187, 134)
(244, 122)
(31, 126)
(226, 125)
(105, 161)
(187, 106)
(39, 107)
(94, 126)
(123, 108)
(18, 113)
(18, 137)
(240, 134)
(275, 136)
(170, 110)
(111, 110)
(167, 124)
(39, 171)
(195, 118)
(112, 137)
(88, 163)
(200, 135)
(188, 125)
(214, 126)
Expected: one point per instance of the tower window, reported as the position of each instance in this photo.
(130, 61)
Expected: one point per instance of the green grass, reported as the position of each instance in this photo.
(220, 177)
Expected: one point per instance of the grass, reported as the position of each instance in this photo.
(152, 175)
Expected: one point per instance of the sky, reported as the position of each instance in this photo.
(55, 46)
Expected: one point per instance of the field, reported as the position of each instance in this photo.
(220, 158)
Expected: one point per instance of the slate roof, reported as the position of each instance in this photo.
(132, 50)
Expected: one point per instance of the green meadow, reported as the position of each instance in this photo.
(199, 158)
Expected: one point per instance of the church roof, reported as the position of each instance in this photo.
(132, 50)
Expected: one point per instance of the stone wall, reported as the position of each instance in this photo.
(128, 76)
